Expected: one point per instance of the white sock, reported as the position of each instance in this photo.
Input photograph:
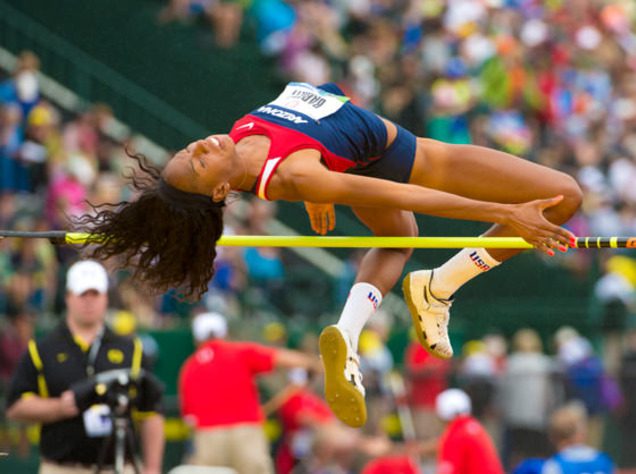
(462, 267)
(363, 300)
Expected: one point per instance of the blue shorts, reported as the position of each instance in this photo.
(395, 163)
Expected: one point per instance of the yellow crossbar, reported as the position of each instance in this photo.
(350, 242)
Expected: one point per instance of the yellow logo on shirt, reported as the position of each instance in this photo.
(115, 356)
(61, 357)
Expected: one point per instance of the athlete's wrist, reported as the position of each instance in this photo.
(504, 214)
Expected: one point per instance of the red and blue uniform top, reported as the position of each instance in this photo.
(320, 118)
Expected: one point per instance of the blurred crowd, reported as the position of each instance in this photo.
(551, 81)
(528, 400)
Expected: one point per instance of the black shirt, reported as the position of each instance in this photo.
(52, 365)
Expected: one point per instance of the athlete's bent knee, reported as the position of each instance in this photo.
(413, 232)
(572, 199)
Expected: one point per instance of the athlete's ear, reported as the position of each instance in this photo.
(220, 192)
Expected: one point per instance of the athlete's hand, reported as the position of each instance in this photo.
(321, 216)
(528, 221)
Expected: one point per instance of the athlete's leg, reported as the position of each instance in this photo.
(488, 175)
(491, 175)
(379, 271)
(380, 268)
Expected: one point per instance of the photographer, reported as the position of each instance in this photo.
(49, 385)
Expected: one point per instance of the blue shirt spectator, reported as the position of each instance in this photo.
(529, 466)
(568, 432)
(578, 459)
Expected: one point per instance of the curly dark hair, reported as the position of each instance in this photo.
(165, 245)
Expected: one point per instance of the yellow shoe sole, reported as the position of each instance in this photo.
(346, 402)
(415, 316)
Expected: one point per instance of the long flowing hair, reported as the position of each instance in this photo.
(165, 246)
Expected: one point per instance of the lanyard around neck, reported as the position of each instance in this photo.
(92, 353)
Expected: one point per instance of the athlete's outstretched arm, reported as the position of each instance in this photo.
(317, 184)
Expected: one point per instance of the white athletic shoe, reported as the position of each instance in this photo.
(344, 391)
(430, 314)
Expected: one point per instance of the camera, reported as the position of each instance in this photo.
(120, 389)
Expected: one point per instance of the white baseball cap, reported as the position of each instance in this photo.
(451, 403)
(86, 275)
(206, 325)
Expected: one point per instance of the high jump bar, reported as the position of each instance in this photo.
(74, 238)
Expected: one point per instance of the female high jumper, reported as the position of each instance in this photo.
(312, 144)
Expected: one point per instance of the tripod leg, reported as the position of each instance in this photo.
(102, 454)
(120, 444)
(130, 438)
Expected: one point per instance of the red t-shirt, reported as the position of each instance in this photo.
(302, 406)
(466, 448)
(424, 387)
(216, 384)
(392, 465)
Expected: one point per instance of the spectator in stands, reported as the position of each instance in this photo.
(465, 447)
(22, 88)
(40, 145)
(12, 174)
(83, 134)
(526, 397)
(392, 465)
(68, 191)
(300, 412)
(567, 431)
(14, 337)
(46, 385)
(219, 397)
(274, 20)
(227, 19)
(452, 97)
(478, 376)
(584, 377)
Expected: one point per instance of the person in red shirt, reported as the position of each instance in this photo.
(392, 465)
(219, 396)
(465, 447)
(315, 441)
(300, 412)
